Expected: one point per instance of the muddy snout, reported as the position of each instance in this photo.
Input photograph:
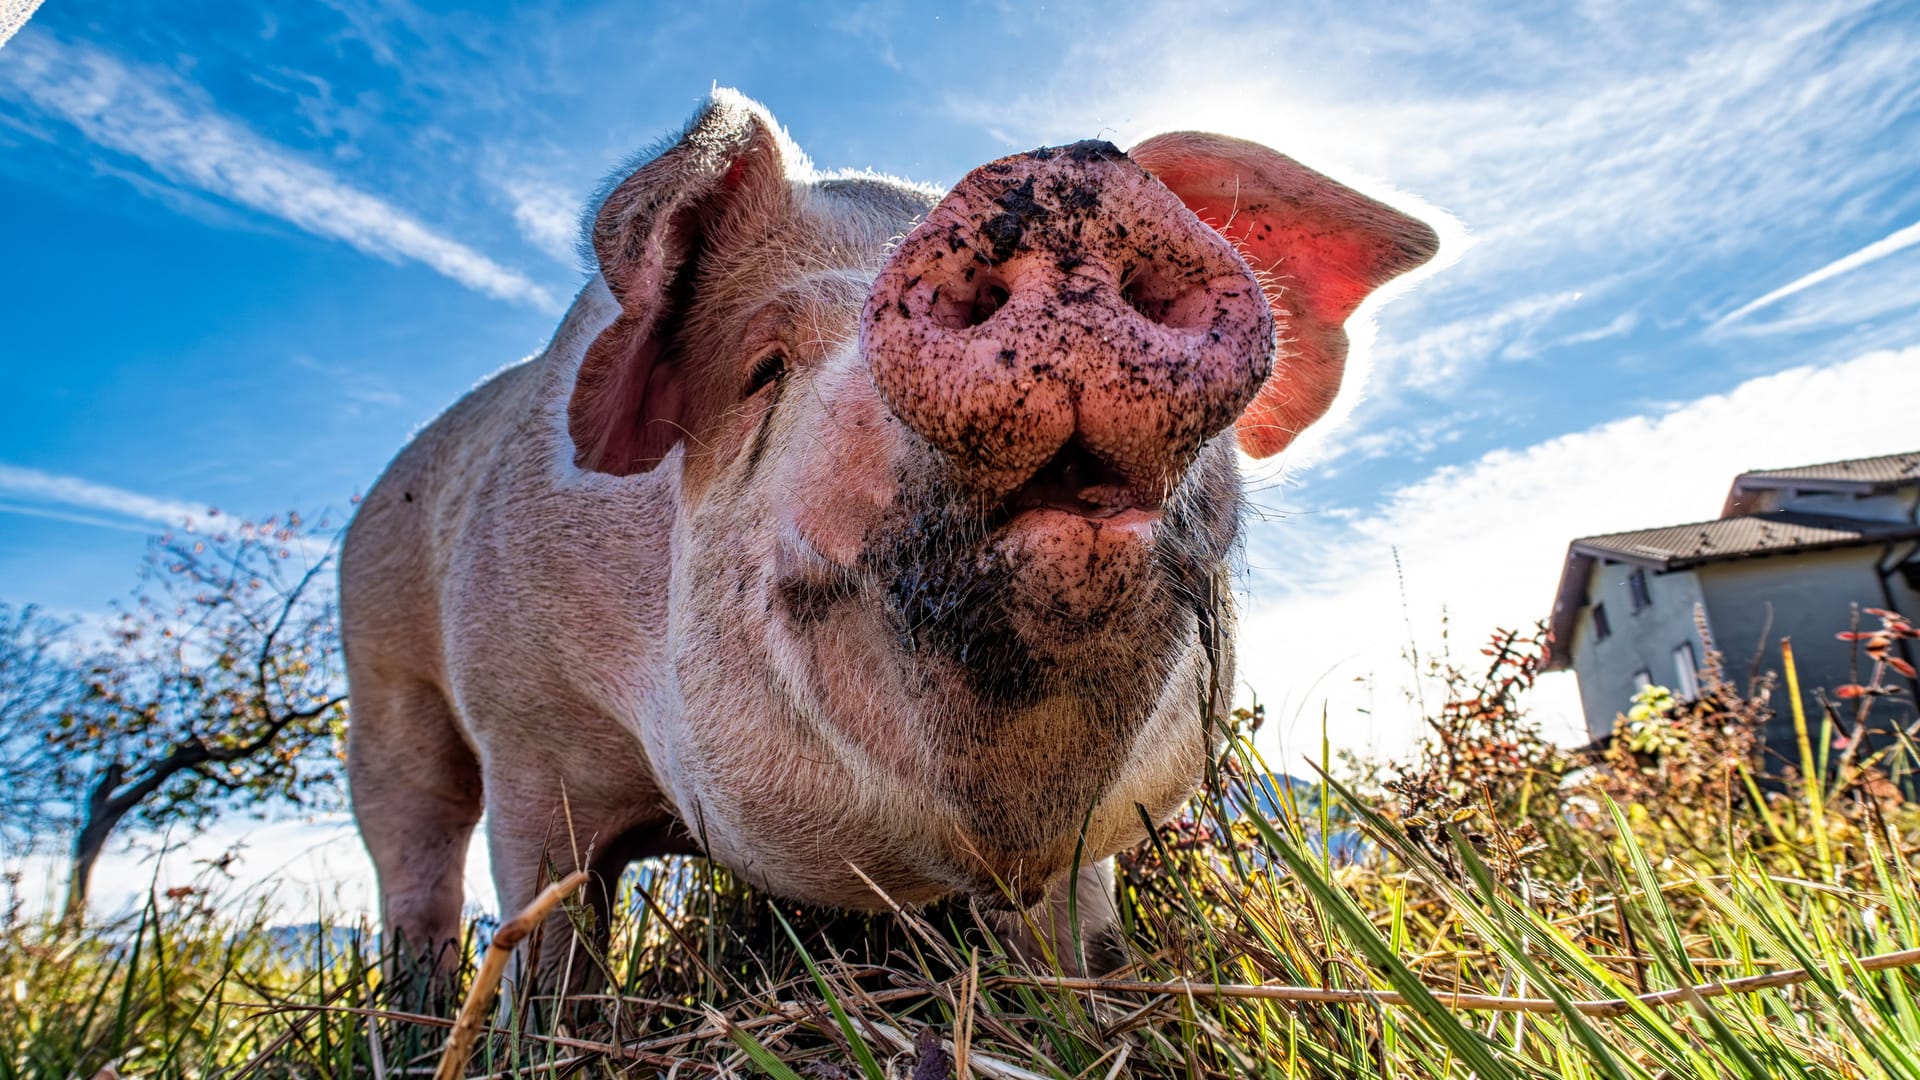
(1066, 332)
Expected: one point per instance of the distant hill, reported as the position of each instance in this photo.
(1271, 797)
(308, 941)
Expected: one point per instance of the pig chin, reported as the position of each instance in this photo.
(1071, 572)
(1034, 596)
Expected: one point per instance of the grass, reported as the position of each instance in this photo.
(1680, 910)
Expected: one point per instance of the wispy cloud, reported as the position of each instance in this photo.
(1630, 143)
(1447, 352)
(547, 216)
(1482, 543)
(168, 125)
(1898, 241)
(869, 22)
(77, 501)
(1882, 307)
(1623, 323)
(37, 489)
(1659, 132)
(47, 513)
(1405, 441)
(357, 387)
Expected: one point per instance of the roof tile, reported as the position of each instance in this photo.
(1673, 546)
(1896, 469)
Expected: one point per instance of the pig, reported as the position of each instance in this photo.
(873, 541)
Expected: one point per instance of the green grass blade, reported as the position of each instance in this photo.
(858, 1045)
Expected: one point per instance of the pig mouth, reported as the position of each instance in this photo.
(1077, 540)
(1075, 571)
(1077, 482)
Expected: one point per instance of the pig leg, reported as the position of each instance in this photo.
(416, 794)
(564, 963)
(535, 836)
(1043, 935)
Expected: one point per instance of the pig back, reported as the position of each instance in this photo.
(532, 594)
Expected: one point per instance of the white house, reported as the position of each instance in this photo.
(1793, 551)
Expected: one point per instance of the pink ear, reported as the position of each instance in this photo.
(629, 404)
(1319, 248)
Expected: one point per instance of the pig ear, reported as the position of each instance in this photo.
(629, 404)
(1318, 246)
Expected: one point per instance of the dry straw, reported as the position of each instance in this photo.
(1602, 1007)
(500, 951)
(453, 1063)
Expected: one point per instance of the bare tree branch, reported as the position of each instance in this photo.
(220, 686)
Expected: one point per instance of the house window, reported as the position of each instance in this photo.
(1602, 629)
(1637, 588)
(1641, 680)
(1686, 672)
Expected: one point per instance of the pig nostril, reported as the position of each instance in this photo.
(958, 311)
(1161, 302)
(1135, 296)
(991, 298)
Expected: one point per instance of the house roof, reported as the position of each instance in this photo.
(1677, 547)
(1857, 476)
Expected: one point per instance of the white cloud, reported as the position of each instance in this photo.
(357, 387)
(1414, 440)
(1900, 240)
(547, 216)
(1623, 323)
(1889, 299)
(868, 22)
(1484, 542)
(163, 122)
(71, 517)
(1446, 353)
(1591, 126)
(298, 868)
(37, 487)
(58, 497)
(1616, 143)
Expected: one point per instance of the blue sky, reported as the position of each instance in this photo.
(249, 250)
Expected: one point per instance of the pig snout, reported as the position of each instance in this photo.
(1067, 333)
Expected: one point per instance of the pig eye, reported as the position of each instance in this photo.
(770, 368)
